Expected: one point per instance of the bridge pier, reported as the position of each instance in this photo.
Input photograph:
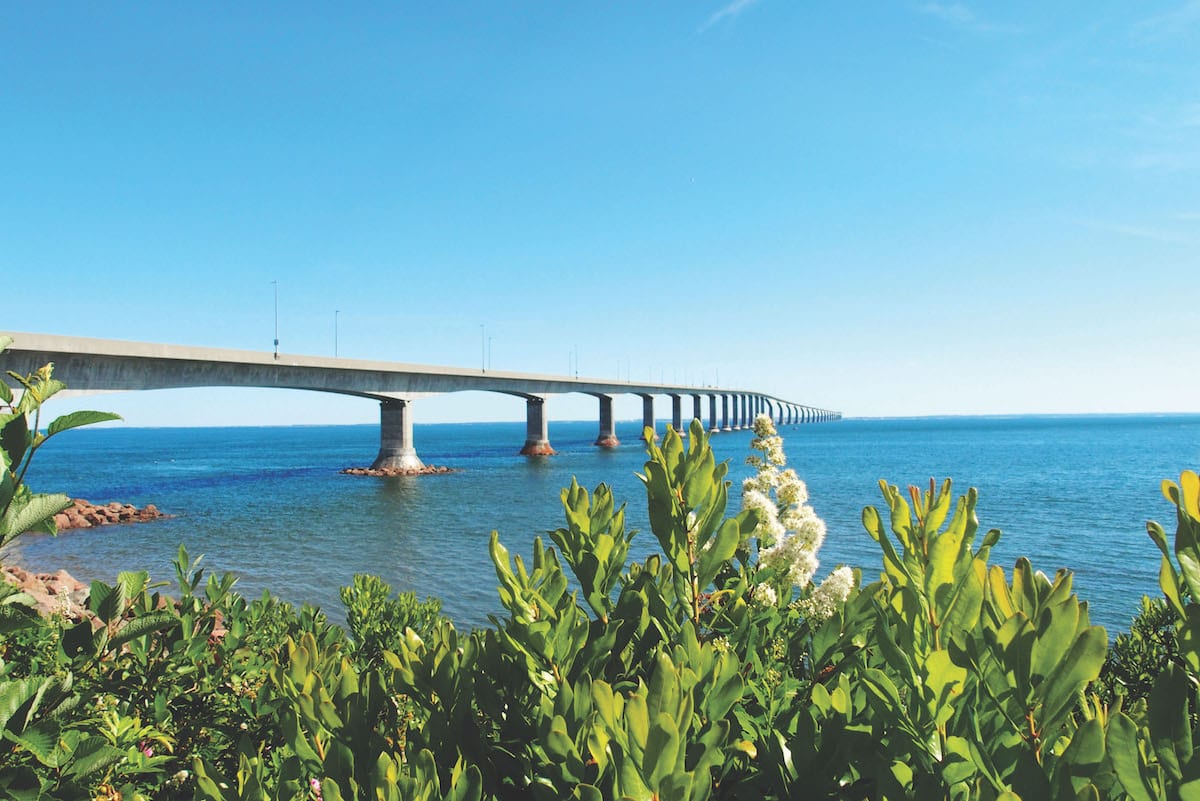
(396, 437)
(725, 414)
(537, 436)
(677, 414)
(607, 438)
(648, 418)
(712, 414)
(696, 413)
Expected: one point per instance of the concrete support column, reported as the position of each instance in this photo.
(747, 414)
(537, 435)
(696, 413)
(607, 438)
(396, 437)
(725, 414)
(712, 414)
(677, 414)
(648, 416)
(735, 401)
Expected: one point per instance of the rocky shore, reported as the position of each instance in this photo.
(83, 514)
(53, 593)
(427, 470)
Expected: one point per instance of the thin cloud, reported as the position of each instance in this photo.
(1139, 232)
(730, 11)
(960, 16)
(1168, 24)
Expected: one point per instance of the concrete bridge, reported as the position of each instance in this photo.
(100, 365)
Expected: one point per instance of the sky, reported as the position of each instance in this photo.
(890, 209)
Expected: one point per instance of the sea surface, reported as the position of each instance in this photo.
(270, 505)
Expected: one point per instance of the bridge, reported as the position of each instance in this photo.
(101, 365)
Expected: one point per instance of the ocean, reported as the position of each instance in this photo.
(270, 505)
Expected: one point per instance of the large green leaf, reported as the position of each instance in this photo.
(14, 438)
(1170, 728)
(662, 750)
(36, 513)
(143, 625)
(1081, 665)
(1122, 745)
(38, 392)
(91, 755)
(41, 740)
(77, 419)
(717, 551)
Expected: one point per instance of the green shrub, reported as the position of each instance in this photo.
(377, 622)
(1137, 657)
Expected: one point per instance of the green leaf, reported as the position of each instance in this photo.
(40, 740)
(1084, 757)
(143, 625)
(1122, 746)
(77, 419)
(558, 743)
(587, 792)
(91, 755)
(38, 511)
(1081, 665)
(38, 392)
(14, 437)
(1170, 730)
(717, 551)
(108, 603)
(662, 750)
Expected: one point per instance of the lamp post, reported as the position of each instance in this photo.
(336, 312)
(275, 285)
(482, 349)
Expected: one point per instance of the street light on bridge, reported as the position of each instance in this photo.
(275, 285)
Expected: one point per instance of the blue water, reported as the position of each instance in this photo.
(270, 505)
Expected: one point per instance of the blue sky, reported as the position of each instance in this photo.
(899, 209)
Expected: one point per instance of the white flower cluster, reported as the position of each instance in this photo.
(763, 595)
(789, 531)
(829, 596)
(791, 557)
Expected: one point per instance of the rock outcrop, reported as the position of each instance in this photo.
(83, 514)
(428, 469)
(53, 593)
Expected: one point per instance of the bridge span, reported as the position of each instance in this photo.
(102, 365)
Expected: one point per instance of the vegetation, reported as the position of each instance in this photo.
(713, 669)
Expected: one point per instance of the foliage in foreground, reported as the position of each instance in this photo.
(713, 668)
